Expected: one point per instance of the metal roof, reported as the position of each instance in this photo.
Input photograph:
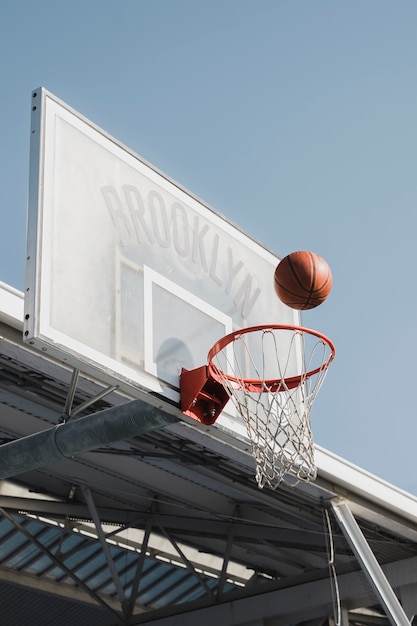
(170, 527)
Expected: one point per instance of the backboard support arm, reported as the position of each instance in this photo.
(202, 397)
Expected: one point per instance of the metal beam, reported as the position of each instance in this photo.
(187, 562)
(245, 532)
(283, 604)
(69, 412)
(59, 563)
(76, 437)
(369, 564)
(139, 567)
(102, 539)
(71, 394)
(226, 560)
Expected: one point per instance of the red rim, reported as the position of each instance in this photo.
(254, 384)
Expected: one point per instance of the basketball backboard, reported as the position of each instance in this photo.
(129, 276)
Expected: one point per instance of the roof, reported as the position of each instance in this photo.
(170, 528)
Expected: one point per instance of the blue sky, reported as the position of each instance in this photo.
(296, 120)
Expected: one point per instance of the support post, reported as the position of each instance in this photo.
(369, 563)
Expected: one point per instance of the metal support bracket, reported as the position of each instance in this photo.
(69, 411)
(202, 397)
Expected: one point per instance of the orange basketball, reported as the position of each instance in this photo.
(302, 280)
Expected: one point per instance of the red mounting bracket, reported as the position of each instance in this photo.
(202, 397)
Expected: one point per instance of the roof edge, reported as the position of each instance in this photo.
(355, 480)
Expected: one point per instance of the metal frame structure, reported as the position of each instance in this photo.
(168, 526)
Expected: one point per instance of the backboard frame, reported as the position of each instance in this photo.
(213, 272)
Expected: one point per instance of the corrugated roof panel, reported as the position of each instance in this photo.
(90, 564)
(189, 592)
(58, 574)
(11, 548)
(158, 593)
(195, 591)
(101, 579)
(152, 581)
(76, 550)
(39, 562)
(126, 568)
(182, 583)
(6, 527)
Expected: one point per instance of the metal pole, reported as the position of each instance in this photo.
(76, 437)
(369, 564)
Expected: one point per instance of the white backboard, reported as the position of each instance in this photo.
(129, 276)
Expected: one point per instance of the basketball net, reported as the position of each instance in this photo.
(272, 374)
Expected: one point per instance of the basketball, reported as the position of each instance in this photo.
(302, 280)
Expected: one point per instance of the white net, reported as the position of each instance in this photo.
(272, 375)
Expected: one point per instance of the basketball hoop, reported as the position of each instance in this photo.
(272, 374)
